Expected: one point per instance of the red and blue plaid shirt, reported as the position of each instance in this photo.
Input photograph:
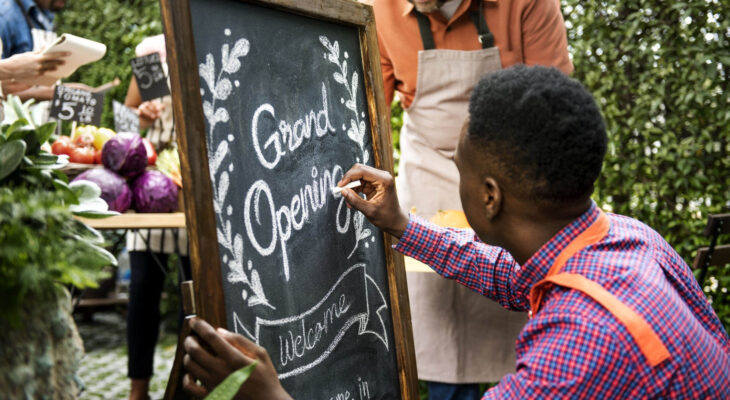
(575, 348)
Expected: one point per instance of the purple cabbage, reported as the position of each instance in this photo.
(154, 192)
(114, 189)
(125, 154)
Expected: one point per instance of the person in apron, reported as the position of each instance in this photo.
(434, 59)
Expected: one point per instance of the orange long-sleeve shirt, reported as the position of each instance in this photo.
(525, 31)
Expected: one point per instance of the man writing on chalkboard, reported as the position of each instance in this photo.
(432, 52)
(616, 313)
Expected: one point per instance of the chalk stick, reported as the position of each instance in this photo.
(350, 185)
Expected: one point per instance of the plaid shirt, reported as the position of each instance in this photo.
(575, 348)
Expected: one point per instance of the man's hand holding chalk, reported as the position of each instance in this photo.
(350, 185)
(380, 204)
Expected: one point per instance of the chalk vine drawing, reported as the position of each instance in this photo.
(219, 88)
(356, 131)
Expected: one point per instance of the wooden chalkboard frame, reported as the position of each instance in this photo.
(200, 217)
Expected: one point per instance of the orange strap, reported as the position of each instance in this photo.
(594, 233)
(649, 342)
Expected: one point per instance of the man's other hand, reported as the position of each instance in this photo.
(25, 66)
(214, 354)
(380, 204)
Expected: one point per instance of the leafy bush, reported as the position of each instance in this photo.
(120, 25)
(661, 74)
(41, 244)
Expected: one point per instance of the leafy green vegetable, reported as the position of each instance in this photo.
(227, 389)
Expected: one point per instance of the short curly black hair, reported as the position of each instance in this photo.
(544, 130)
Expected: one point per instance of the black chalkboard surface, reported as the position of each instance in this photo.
(278, 100)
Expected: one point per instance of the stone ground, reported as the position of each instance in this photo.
(104, 366)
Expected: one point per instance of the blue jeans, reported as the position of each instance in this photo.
(453, 391)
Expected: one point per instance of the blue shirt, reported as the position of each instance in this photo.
(14, 30)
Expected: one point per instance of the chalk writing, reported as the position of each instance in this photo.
(150, 76)
(292, 215)
(125, 119)
(71, 104)
(291, 135)
(310, 337)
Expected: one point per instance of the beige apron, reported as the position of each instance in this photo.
(460, 336)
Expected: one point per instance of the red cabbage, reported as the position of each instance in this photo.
(154, 192)
(114, 189)
(125, 154)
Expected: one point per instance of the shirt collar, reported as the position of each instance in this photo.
(537, 266)
(408, 6)
(40, 16)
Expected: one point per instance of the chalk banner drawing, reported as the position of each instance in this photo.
(298, 336)
(304, 275)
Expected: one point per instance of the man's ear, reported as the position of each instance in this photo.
(491, 197)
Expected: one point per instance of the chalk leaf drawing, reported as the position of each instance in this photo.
(361, 233)
(219, 88)
(356, 132)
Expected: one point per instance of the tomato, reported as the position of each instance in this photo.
(62, 145)
(85, 139)
(151, 153)
(97, 156)
(84, 155)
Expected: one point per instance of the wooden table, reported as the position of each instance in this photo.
(129, 220)
(132, 220)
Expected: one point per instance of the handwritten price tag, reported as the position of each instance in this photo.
(70, 104)
(150, 76)
(125, 119)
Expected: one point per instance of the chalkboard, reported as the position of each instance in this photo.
(125, 119)
(71, 104)
(150, 76)
(288, 98)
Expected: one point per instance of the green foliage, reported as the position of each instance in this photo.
(661, 74)
(120, 25)
(41, 244)
(396, 123)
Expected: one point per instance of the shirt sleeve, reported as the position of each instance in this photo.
(458, 254)
(544, 36)
(567, 358)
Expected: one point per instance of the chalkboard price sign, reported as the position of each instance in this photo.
(277, 101)
(71, 104)
(150, 76)
(125, 119)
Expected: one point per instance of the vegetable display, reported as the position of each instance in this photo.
(114, 189)
(154, 192)
(125, 153)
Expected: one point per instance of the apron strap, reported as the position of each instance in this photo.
(424, 26)
(486, 38)
(646, 338)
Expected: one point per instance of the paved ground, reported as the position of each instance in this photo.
(104, 367)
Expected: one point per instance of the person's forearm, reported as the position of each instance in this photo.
(39, 93)
(458, 254)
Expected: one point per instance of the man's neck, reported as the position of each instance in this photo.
(532, 229)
